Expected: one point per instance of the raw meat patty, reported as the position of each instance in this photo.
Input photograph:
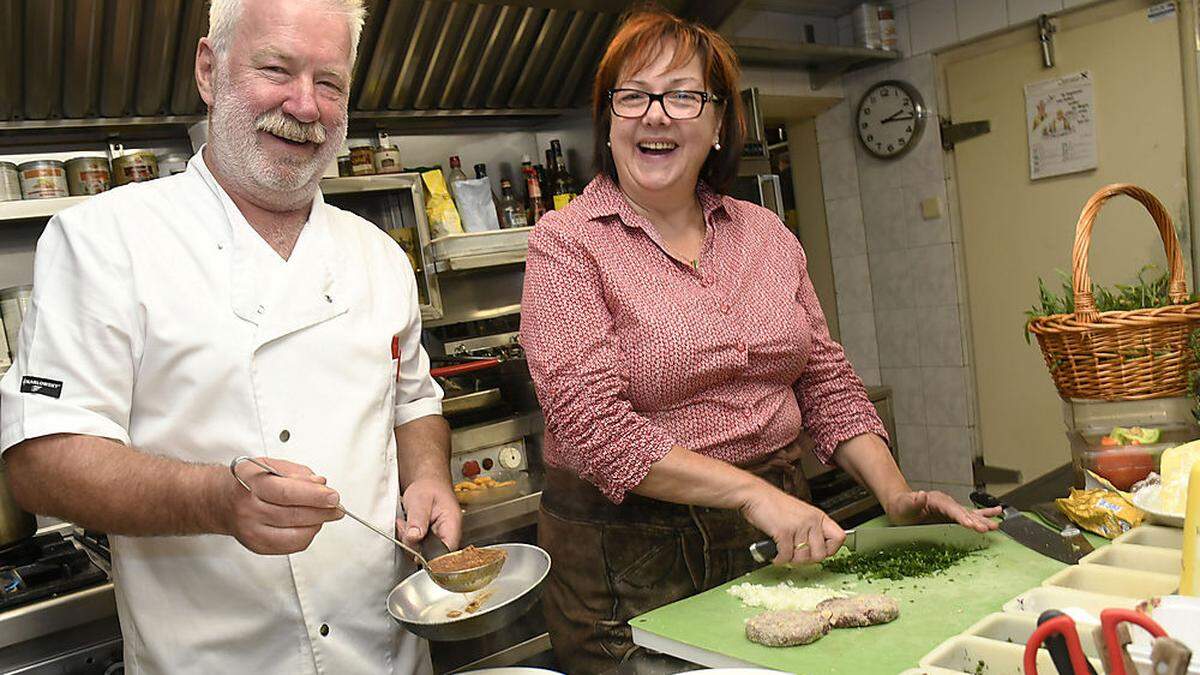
(786, 628)
(860, 610)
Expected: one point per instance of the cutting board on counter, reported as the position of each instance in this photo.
(709, 627)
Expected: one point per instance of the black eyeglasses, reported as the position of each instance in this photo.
(678, 104)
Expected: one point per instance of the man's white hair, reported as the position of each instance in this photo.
(223, 16)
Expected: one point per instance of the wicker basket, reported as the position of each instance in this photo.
(1120, 356)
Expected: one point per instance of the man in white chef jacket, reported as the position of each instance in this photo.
(226, 311)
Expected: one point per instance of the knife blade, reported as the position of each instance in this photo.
(874, 538)
(1026, 532)
(1066, 529)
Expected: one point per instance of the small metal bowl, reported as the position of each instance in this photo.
(421, 606)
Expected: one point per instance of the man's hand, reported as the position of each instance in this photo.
(911, 508)
(279, 514)
(430, 504)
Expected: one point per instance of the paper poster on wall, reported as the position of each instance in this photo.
(1062, 125)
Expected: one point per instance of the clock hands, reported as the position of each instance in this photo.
(897, 116)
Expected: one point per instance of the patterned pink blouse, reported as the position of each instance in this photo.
(633, 351)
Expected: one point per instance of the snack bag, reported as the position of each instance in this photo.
(439, 207)
(1104, 512)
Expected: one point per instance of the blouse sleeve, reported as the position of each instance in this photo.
(833, 402)
(566, 330)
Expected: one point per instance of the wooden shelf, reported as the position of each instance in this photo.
(824, 63)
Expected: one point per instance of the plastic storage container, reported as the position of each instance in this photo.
(966, 653)
(1088, 421)
(1124, 464)
(1039, 599)
(1115, 581)
(1153, 535)
(1134, 557)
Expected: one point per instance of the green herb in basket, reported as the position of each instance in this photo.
(1149, 291)
(897, 562)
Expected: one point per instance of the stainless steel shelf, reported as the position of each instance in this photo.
(824, 63)
(25, 209)
(480, 261)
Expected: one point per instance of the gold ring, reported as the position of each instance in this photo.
(800, 545)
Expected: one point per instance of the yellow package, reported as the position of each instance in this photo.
(1104, 512)
(439, 207)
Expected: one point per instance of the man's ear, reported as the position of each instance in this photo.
(205, 62)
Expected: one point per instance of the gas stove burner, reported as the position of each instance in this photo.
(42, 567)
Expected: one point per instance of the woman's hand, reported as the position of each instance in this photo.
(911, 508)
(802, 532)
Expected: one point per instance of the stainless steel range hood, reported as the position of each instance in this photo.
(113, 63)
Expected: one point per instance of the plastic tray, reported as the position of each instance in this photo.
(1037, 600)
(1135, 557)
(1016, 629)
(963, 653)
(1153, 535)
(1115, 581)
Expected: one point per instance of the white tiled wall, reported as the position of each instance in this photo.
(929, 25)
(874, 213)
(890, 260)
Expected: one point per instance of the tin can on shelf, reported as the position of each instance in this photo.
(362, 160)
(10, 182)
(43, 179)
(387, 160)
(134, 167)
(88, 175)
(343, 164)
(14, 303)
(173, 163)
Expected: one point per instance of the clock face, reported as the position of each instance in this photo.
(890, 118)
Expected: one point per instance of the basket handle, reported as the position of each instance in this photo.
(1085, 303)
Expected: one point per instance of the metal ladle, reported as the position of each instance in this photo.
(461, 581)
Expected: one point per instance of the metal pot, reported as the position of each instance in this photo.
(15, 523)
(422, 606)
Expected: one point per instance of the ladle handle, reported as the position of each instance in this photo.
(265, 467)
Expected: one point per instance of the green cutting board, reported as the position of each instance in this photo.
(932, 609)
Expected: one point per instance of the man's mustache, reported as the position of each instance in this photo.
(284, 125)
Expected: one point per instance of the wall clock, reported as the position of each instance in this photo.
(890, 119)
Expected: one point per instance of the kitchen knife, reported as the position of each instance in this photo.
(1028, 533)
(1066, 529)
(874, 538)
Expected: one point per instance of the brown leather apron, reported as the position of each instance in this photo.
(612, 562)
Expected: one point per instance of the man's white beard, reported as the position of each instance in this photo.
(275, 182)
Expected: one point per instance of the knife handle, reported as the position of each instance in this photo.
(984, 500)
(764, 551)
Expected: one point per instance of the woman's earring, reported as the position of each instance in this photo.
(717, 146)
(608, 143)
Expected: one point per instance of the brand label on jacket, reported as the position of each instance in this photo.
(40, 385)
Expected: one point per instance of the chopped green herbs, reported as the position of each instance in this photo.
(897, 562)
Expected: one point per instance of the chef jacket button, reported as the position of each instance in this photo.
(324, 630)
(284, 436)
(261, 309)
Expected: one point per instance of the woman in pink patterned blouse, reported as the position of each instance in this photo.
(679, 351)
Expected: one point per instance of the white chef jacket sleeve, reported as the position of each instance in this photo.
(80, 339)
(417, 394)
